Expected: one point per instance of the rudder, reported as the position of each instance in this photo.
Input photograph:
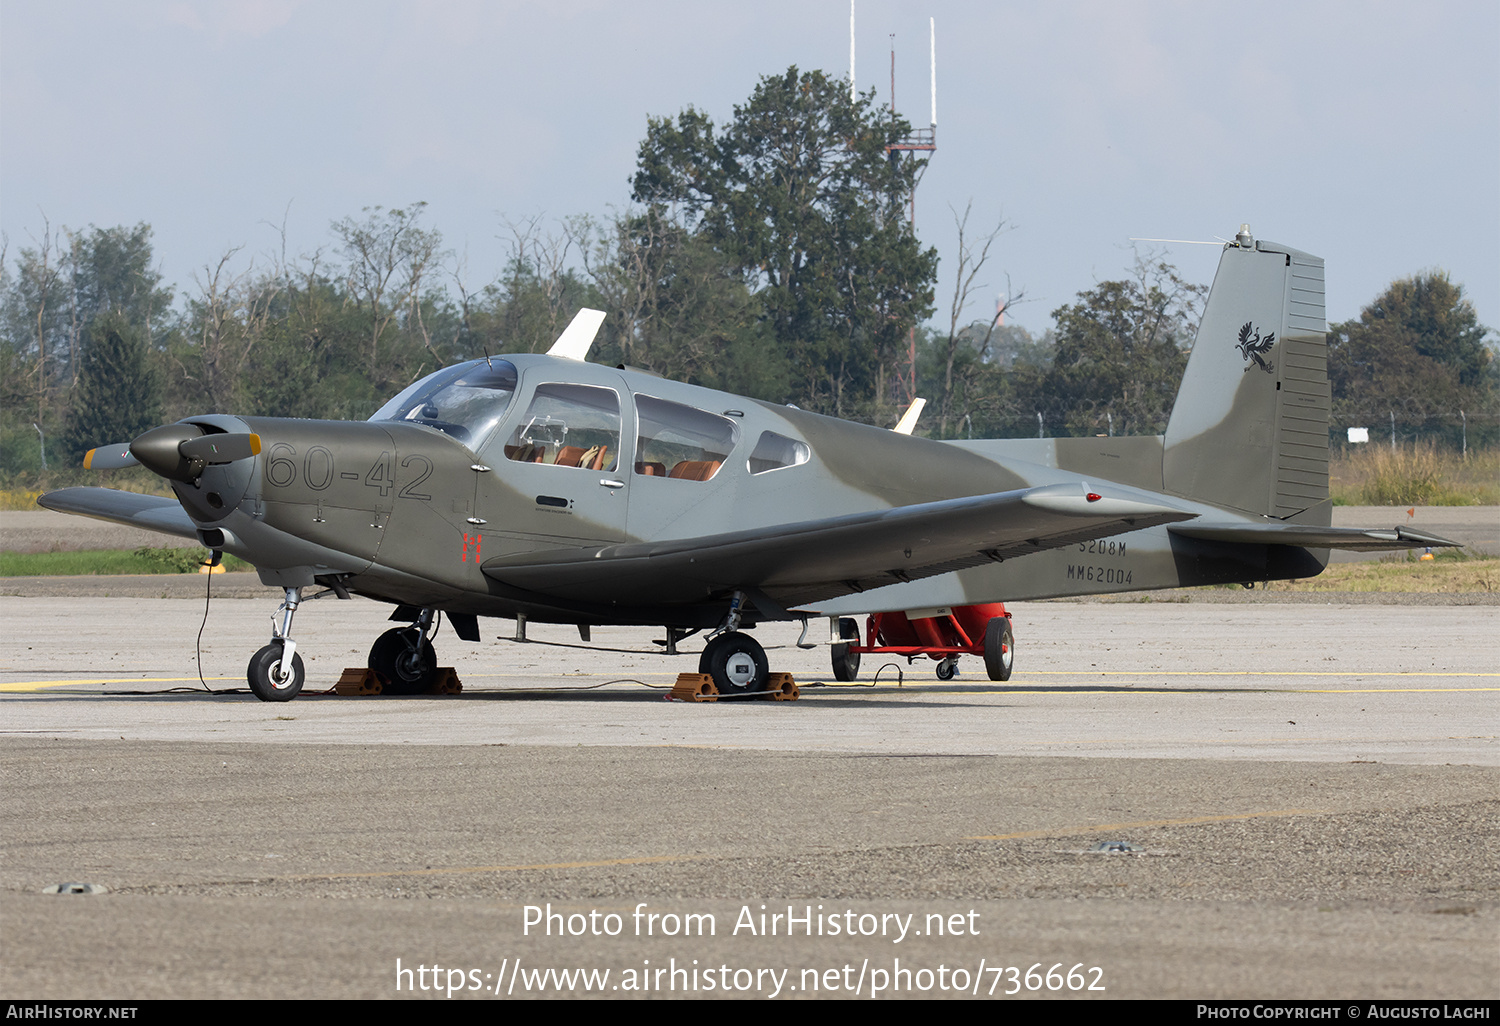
(1249, 429)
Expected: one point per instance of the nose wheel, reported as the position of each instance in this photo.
(275, 673)
(272, 677)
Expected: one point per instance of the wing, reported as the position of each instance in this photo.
(148, 512)
(1358, 539)
(813, 560)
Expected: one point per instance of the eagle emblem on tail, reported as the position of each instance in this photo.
(1251, 346)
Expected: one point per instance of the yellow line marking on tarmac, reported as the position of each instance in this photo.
(23, 685)
(1260, 673)
(1142, 824)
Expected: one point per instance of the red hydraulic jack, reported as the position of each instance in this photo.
(941, 634)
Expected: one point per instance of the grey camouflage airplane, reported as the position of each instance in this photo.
(544, 488)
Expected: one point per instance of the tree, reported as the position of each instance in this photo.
(802, 196)
(684, 311)
(1121, 351)
(117, 396)
(389, 254)
(229, 315)
(965, 350)
(1418, 352)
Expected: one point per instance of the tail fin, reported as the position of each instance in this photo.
(1250, 426)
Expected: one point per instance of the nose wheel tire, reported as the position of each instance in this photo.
(845, 662)
(270, 680)
(999, 648)
(737, 664)
(406, 659)
(947, 669)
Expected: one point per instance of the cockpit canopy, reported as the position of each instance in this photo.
(465, 401)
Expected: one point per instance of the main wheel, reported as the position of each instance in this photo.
(999, 648)
(269, 680)
(947, 669)
(845, 662)
(737, 664)
(406, 659)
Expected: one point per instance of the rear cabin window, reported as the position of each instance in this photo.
(773, 452)
(569, 426)
(681, 441)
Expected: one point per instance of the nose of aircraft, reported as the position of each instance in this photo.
(177, 452)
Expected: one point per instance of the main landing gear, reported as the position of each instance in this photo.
(736, 661)
(404, 656)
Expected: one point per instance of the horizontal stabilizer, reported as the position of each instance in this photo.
(148, 512)
(798, 563)
(1357, 539)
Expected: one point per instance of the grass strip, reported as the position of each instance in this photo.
(144, 560)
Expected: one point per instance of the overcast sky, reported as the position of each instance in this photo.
(1366, 133)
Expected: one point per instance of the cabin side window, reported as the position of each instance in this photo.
(775, 452)
(681, 441)
(569, 426)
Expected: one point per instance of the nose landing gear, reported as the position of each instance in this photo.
(275, 673)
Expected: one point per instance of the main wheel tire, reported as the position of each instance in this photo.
(737, 664)
(409, 667)
(947, 669)
(999, 648)
(268, 680)
(845, 662)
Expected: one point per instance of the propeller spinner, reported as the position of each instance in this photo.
(178, 452)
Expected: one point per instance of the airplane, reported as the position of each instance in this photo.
(548, 489)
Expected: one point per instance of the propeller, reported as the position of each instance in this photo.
(110, 457)
(178, 452)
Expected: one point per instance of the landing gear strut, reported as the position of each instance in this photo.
(405, 657)
(736, 661)
(275, 673)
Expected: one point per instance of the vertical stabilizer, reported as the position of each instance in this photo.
(1250, 426)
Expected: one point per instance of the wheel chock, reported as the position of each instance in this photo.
(445, 683)
(695, 687)
(359, 681)
(782, 688)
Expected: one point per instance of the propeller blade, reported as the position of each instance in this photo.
(221, 448)
(110, 457)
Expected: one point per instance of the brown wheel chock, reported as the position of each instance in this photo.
(782, 688)
(446, 682)
(695, 687)
(359, 680)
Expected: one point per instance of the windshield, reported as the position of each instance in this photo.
(465, 401)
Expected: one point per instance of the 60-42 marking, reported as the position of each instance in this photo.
(319, 470)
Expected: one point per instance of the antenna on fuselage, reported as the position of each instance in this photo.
(578, 336)
(909, 418)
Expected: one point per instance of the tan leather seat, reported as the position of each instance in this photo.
(695, 470)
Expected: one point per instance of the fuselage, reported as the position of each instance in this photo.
(521, 454)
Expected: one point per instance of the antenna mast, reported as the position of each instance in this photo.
(919, 140)
(853, 90)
